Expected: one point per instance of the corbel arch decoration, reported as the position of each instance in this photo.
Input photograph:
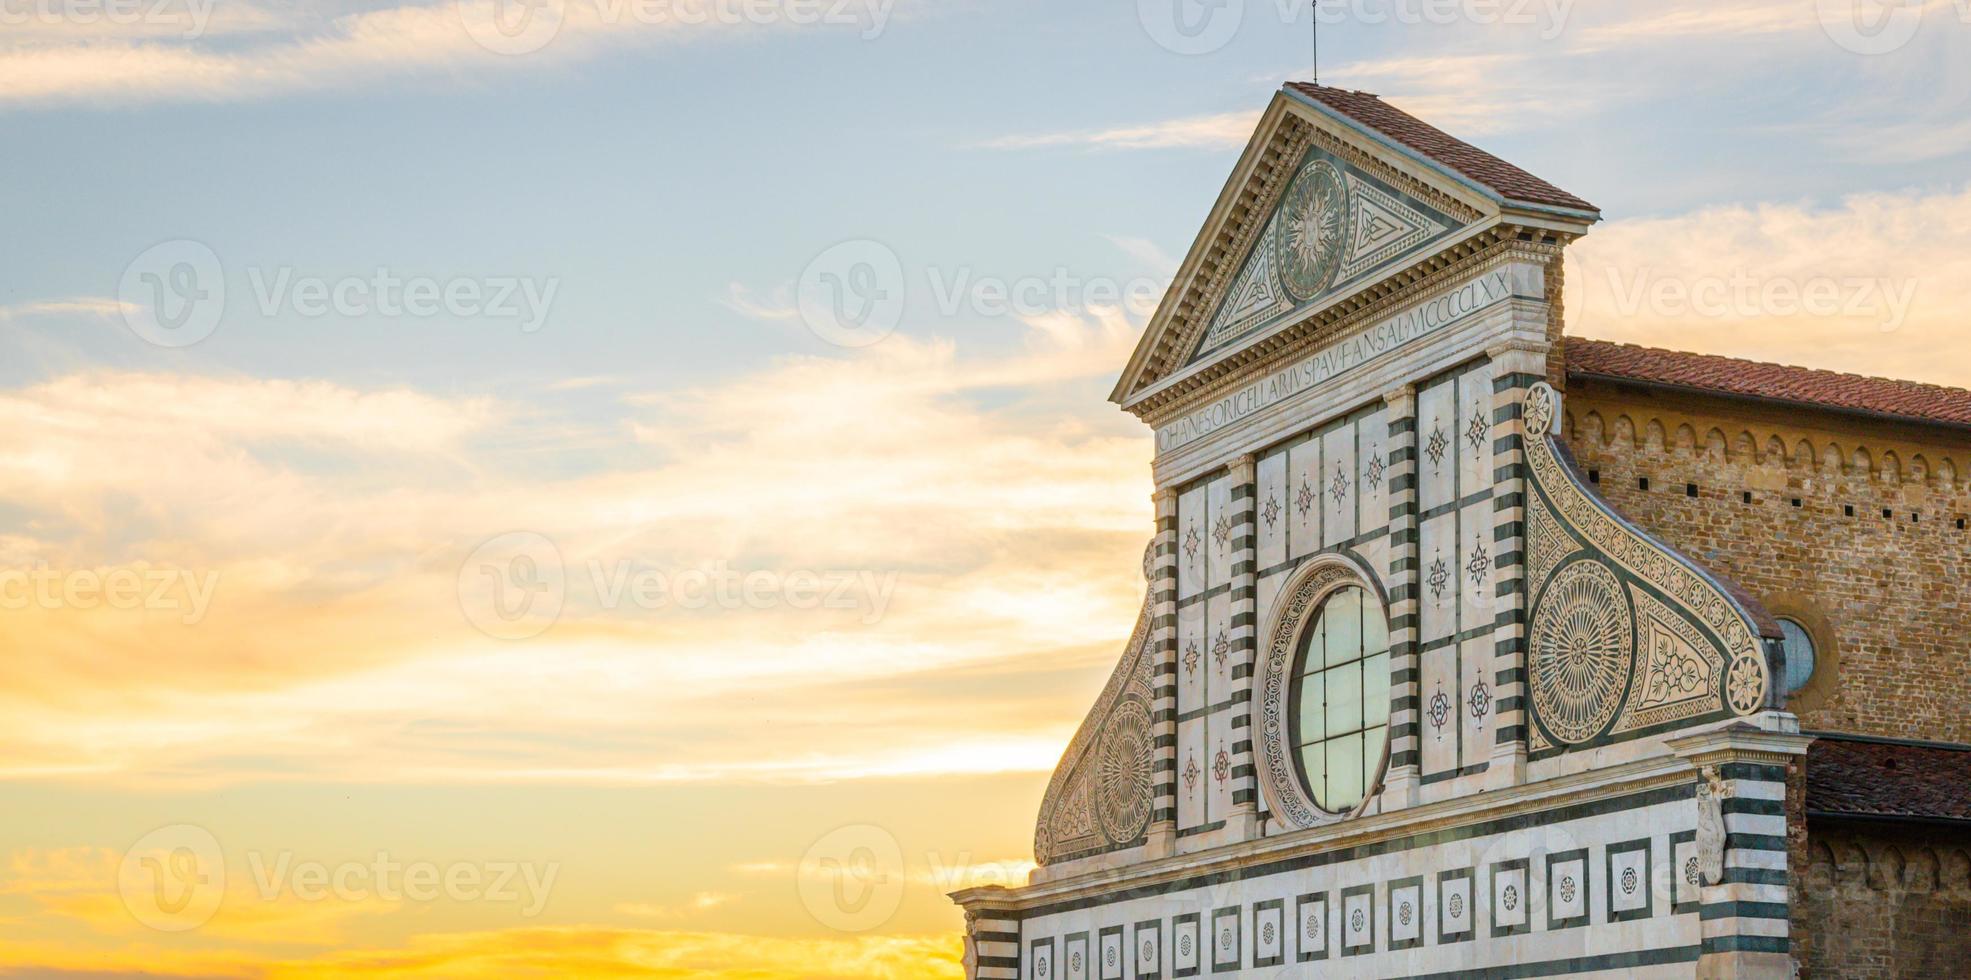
(1625, 637)
(1319, 578)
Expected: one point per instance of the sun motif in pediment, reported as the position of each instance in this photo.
(1313, 229)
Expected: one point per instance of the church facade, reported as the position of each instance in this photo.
(1471, 649)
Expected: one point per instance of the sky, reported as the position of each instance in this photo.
(630, 491)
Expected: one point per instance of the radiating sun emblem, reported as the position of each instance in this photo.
(1313, 223)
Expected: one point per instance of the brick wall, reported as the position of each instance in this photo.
(1884, 901)
(1854, 526)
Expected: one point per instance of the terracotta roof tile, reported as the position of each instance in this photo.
(1507, 180)
(1771, 382)
(1851, 777)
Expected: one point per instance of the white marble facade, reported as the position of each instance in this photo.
(1397, 445)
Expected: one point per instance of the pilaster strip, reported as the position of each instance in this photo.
(1163, 647)
(1517, 368)
(1245, 630)
(1405, 717)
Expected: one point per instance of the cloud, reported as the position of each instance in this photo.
(1226, 130)
(1761, 280)
(89, 306)
(273, 54)
(777, 306)
(930, 487)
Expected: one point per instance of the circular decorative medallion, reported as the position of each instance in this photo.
(1746, 685)
(1538, 410)
(1511, 898)
(1567, 889)
(1403, 914)
(1629, 881)
(1149, 950)
(1356, 920)
(1457, 906)
(1123, 760)
(1690, 871)
(1313, 928)
(1313, 226)
(1266, 933)
(1583, 647)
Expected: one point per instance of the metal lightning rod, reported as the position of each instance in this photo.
(1315, 6)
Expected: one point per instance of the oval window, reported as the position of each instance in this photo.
(1341, 700)
(1799, 646)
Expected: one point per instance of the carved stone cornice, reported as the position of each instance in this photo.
(1498, 245)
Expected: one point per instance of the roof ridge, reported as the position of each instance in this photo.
(1498, 176)
(1880, 379)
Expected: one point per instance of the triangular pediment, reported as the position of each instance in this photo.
(1322, 207)
(1333, 228)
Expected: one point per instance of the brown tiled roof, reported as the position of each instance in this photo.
(1863, 778)
(1771, 382)
(1507, 180)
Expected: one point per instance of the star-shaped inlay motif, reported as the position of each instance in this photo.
(1304, 502)
(1476, 432)
(1220, 648)
(1271, 512)
(1191, 773)
(1440, 711)
(1480, 563)
(1223, 530)
(1191, 541)
(1191, 657)
(1439, 445)
(1221, 767)
(1480, 700)
(1339, 487)
(1440, 576)
(1372, 475)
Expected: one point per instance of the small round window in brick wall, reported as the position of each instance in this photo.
(1800, 651)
